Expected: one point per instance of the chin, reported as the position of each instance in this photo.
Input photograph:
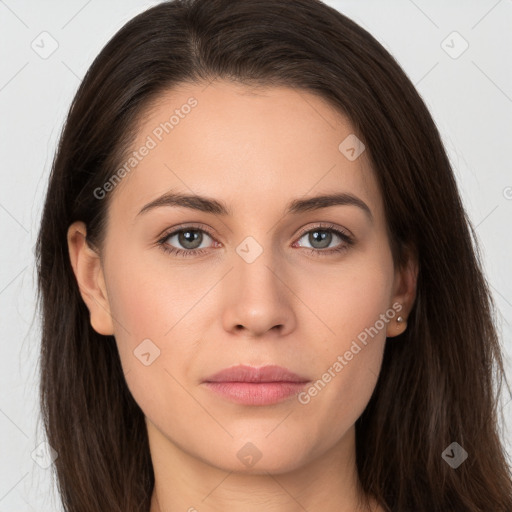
(261, 456)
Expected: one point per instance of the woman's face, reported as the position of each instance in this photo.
(258, 284)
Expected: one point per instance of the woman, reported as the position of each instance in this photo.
(259, 287)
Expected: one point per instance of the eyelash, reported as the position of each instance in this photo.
(348, 241)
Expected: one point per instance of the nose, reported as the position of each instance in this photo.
(257, 297)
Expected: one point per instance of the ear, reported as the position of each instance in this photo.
(404, 293)
(88, 271)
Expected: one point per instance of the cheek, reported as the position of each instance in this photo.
(145, 300)
(349, 354)
(349, 297)
(153, 325)
(347, 374)
(146, 308)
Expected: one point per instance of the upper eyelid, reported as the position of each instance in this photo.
(327, 227)
(166, 234)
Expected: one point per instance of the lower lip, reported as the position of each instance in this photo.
(256, 393)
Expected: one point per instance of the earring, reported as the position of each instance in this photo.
(401, 322)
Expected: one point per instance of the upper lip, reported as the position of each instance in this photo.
(244, 373)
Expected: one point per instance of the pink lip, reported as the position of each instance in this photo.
(256, 386)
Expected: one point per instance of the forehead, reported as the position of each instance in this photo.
(246, 146)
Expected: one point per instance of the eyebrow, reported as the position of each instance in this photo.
(295, 207)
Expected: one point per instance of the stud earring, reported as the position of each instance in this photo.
(401, 323)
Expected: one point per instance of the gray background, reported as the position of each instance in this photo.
(469, 94)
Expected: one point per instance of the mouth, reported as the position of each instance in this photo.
(255, 386)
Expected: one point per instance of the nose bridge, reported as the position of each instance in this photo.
(256, 298)
(255, 263)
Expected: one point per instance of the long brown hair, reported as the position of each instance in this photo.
(440, 381)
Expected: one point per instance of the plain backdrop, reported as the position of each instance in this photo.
(458, 55)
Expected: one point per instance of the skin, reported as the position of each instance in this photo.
(256, 150)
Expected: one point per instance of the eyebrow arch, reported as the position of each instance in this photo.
(297, 206)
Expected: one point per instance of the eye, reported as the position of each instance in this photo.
(191, 238)
(321, 237)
